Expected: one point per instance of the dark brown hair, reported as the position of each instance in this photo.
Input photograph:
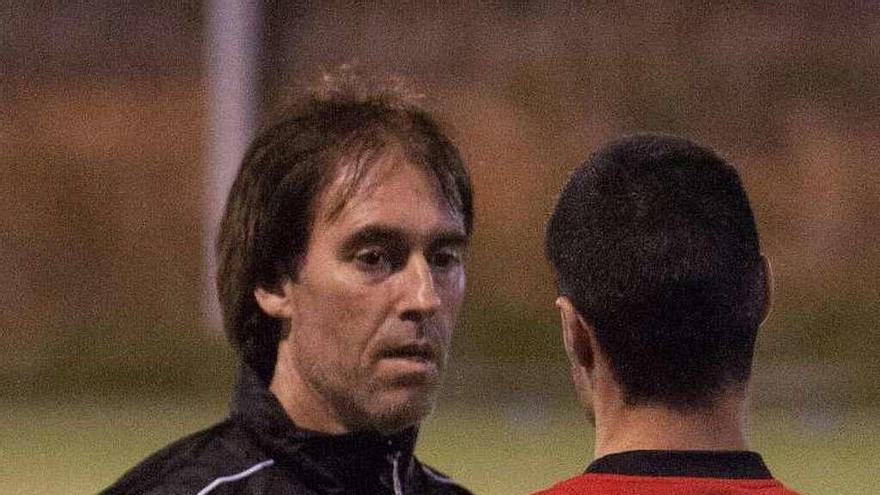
(344, 124)
(654, 242)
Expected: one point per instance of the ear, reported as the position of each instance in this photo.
(768, 288)
(577, 335)
(277, 302)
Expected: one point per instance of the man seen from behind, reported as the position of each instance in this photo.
(662, 289)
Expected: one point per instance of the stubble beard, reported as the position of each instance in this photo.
(363, 403)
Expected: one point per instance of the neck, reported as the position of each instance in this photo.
(621, 428)
(307, 408)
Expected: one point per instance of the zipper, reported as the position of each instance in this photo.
(395, 473)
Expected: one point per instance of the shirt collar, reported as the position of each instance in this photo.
(733, 464)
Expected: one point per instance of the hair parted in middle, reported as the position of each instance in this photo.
(343, 126)
(654, 242)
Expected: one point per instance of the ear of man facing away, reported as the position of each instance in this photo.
(577, 335)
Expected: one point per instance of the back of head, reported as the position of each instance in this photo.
(338, 130)
(654, 242)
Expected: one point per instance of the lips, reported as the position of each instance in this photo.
(414, 351)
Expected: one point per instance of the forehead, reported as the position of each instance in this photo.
(385, 188)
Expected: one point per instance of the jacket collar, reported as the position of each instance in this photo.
(358, 461)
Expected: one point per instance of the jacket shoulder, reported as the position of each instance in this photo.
(189, 465)
(439, 484)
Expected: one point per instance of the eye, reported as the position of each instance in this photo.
(446, 258)
(372, 259)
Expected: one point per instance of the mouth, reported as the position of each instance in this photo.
(412, 352)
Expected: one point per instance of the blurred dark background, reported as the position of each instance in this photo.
(102, 173)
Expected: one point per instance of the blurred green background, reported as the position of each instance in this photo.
(105, 355)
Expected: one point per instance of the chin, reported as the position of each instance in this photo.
(397, 413)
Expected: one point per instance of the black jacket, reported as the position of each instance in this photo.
(258, 450)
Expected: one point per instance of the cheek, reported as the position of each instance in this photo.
(452, 294)
(343, 322)
(453, 290)
(319, 327)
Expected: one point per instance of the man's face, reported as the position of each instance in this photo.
(374, 303)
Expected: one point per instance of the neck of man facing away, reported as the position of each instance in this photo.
(622, 428)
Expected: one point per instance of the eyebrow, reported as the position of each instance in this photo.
(376, 234)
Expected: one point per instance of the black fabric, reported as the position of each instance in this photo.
(258, 450)
(684, 463)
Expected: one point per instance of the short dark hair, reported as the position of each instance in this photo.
(654, 242)
(347, 123)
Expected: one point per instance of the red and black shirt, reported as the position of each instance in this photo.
(664, 472)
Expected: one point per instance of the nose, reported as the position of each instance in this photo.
(420, 298)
